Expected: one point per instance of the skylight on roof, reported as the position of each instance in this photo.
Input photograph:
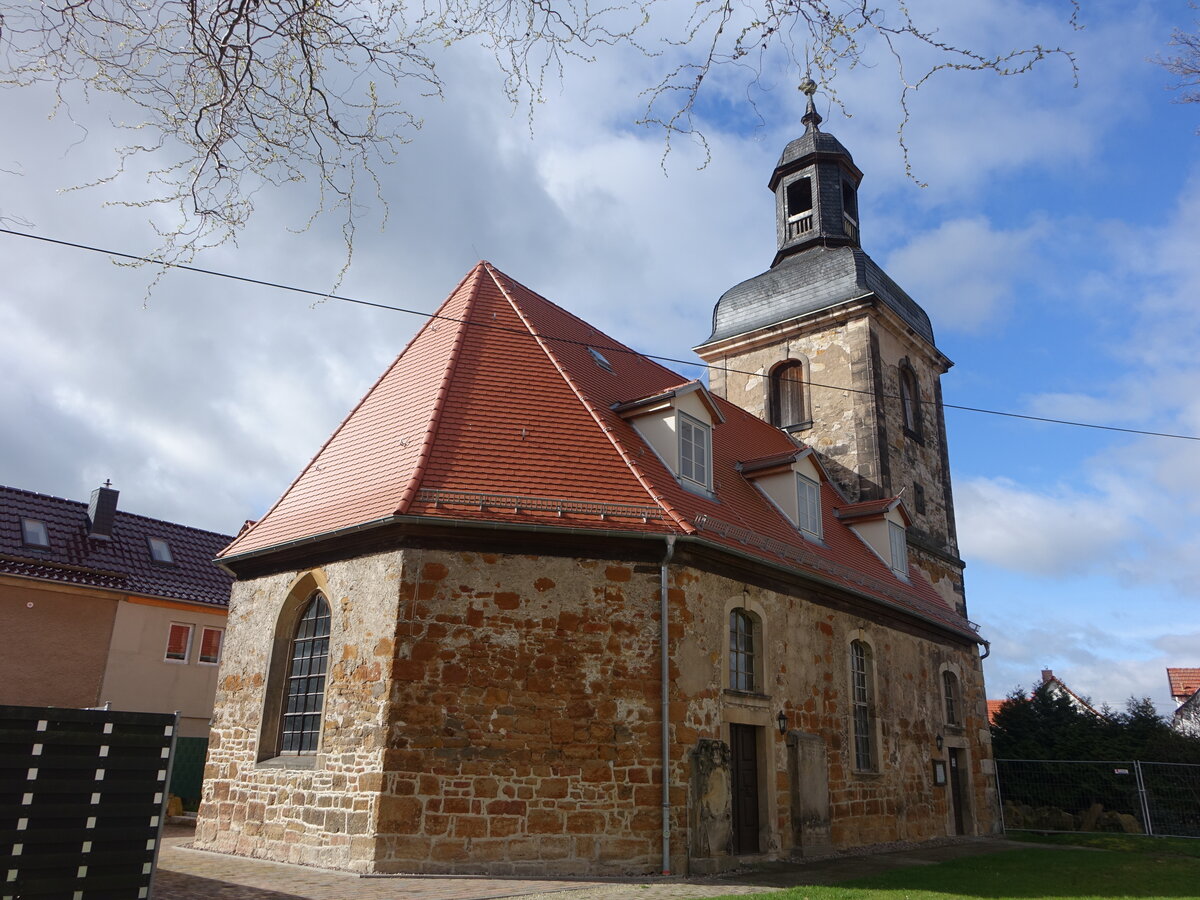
(34, 533)
(160, 551)
(600, 360)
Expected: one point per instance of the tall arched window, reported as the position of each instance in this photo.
(910, 401)
(787, 395)
(741, 651)
(862, 703)
(953, 700)
(304, 690)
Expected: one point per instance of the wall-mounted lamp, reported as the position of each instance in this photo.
(782, 721)
(939, 742)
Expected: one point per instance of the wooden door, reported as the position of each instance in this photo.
(957, 780)
(743, 741)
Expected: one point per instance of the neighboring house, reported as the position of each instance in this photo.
(1057, 688)
(98, 606)
(543, 605)
(1185, 691)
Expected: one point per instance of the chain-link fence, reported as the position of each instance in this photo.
(1085, 795)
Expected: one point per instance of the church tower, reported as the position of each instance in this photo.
(826, 346)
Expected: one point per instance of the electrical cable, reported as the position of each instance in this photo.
(324, 295)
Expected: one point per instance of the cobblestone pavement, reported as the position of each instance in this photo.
(186, 874)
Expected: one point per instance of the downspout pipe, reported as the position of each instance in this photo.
(664, 672)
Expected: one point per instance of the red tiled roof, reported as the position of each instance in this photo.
(1184, 682)
(497, 412)
(993, 707)
(122, 563)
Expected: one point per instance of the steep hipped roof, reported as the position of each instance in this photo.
(1184, 682)
(122, 563)
(506, 408)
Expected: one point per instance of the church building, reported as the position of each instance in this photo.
(541, 605)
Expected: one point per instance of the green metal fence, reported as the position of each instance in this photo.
(188, 773)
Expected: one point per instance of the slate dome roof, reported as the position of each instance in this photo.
(817, 279)
(812, 141)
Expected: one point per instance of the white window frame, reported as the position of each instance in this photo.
(187, 650)
(808, 506)
(898, 540)
(688, 467)
(200, 660)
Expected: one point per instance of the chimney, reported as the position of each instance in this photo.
(101, 512)
(1047, 676)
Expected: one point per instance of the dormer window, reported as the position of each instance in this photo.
(899, 546)
(160, 551)
(598, 359)
(695, 450)
(808, 506)
(677, 425)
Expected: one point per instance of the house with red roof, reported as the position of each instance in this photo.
(99, 605)
(1185, 691)
(542, 605)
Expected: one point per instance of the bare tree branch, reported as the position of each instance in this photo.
(241, 95)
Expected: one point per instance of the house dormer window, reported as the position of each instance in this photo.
(34, 533)
(808, 506)
(899, 546)
(695, 450)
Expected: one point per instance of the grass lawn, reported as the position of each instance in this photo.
(1047, 874)
(1129, 843)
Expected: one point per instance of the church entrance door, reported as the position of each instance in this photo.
(743, 741)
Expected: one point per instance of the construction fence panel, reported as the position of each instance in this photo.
(1126, 796)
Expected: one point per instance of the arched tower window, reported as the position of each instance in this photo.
(304, 690)
(787, 407)
(952, 698)
(910, 401)
(742, 651)
(862, 699)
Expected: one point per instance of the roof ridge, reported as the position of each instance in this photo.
(429, 322)
(121, 513)
(439, 403)
(642, 478)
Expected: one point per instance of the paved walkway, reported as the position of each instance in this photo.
(186, 874)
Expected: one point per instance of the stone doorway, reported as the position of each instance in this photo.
(743, 740)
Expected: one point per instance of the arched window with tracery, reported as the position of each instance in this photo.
(787, 408)
(304, 689)
(741, 651)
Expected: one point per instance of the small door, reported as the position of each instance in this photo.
(743, 741)
(956, 790)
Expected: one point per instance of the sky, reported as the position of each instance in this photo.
(1050, 232)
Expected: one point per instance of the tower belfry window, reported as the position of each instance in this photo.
(799, 202)
(849, 210)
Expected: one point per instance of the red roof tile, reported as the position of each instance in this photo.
(497, 411)
(993, 707)
(1184, 682)
(122, 563)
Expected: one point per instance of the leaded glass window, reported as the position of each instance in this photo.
(950, 689)
(305, 689)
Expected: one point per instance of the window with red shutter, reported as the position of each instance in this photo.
(179, 642)
(210, 645)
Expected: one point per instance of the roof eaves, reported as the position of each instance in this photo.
(646, 403)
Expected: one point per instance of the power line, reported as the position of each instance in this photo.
(324, 295)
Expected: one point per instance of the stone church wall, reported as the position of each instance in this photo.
(500, 713)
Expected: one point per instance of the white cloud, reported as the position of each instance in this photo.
(964, 270)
